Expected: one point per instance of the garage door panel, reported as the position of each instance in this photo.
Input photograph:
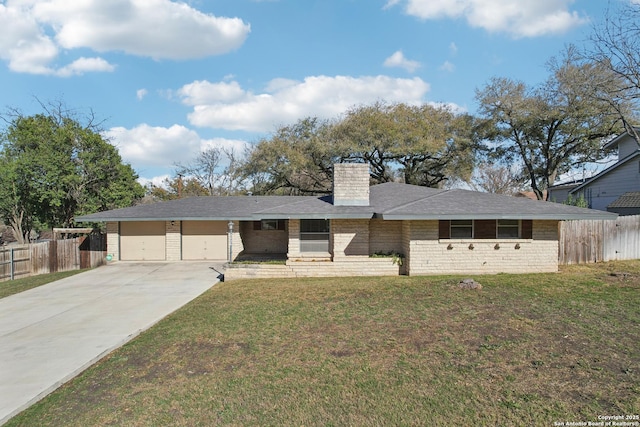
(142, 241)
(203, 240)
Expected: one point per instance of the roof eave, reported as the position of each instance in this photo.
(145, 219)
(605, 172)
(559, 217)
(256, 217)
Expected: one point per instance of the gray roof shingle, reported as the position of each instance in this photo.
(627, 200)
(391, 201)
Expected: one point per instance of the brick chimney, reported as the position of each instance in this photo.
(351, 184)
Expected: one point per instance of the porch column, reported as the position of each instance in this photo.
(113, 240)
(294, 239)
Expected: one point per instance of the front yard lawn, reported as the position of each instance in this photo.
(11, 287)
(533, 349)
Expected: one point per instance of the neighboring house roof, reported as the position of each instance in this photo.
(566, 185)
(530, 194)
(615, 141)
(388, 201)
(608, 170)
(627, 200)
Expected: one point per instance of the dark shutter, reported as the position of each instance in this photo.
(485, 229)
(527, 229)
(445, 229)
(257, 225)
(281, 224)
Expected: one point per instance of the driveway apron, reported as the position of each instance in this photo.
(51, 333)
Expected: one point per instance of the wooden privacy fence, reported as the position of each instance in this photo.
(586, 241)
(51, 256)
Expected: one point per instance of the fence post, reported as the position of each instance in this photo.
(11, 263)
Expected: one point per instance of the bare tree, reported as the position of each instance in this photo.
(615, 45)
(204, 169)
(499, 179)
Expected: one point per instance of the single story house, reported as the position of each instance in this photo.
(604, 190)
(385, 229)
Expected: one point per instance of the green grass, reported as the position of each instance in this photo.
(11, 287)
(525, 350)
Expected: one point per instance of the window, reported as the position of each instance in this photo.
(486, 229)
(314, 235)
(508, 229)
(269, 224)
(462, 229)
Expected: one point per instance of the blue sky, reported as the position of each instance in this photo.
(172, 78)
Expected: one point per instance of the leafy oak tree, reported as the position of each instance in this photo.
(422, 145)
(296, 159)
(52, 168)
(550, 128)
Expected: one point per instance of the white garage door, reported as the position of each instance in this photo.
(142, 241)
(204, 240)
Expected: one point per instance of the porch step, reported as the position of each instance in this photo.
(357, 267)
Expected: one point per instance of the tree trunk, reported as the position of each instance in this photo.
(15, 222)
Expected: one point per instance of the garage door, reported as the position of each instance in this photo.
(204, 240)
(142, 241)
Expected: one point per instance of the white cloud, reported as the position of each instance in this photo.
(453, 48)
(156, 181)
(141, 93)
(35, 32)
(151, 148)
(83, 65)
(448, 66)
(523, 18)
(204, 92)
(226, 105)
(398, 60)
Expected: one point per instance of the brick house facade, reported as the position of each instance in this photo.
(386, 229)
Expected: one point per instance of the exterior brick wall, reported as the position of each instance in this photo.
(351, 184)
(294, 238)
(173, 241)
(385, 236)
(263, 241)
(350, 238)
(236, 241)
(355, 267)
(428, 255)
(545, 230)
(113, 240)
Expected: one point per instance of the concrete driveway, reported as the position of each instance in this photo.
(51, 333)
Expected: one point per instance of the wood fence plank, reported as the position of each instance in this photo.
(51, 256)
(587, 241)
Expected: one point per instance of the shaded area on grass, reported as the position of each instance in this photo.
(11, 287)
(525, 350)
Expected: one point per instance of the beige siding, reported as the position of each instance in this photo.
(142, 241)
(202, 240)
